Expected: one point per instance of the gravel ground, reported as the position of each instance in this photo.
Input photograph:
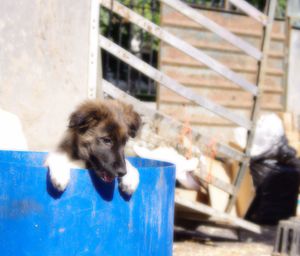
(193, 248)
(249, 245)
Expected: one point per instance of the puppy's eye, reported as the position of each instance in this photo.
(105, 140)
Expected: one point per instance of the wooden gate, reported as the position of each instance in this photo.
(160, 120)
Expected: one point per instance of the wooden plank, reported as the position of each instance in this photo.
(235, 61)
(226, 98)
(222, 47)
(247, 191)
(179, 112)
(197, 35)
(232, 22)
(293, 138)
(198, 139)
(185, 24)
(196, 115)
(187, 194)
(250, 10)
(179, 44)
(213, 82)
(218, 197)
(192, 77)
(214, 27)
(199, 117)
(213, 180)
(288, 121)
(194, 64)
(202, 208)
(168, 82)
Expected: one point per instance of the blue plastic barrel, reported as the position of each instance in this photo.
(90, 217)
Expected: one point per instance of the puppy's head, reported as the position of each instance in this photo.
(100, 130)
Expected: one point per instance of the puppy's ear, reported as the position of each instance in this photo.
(133, 121)
(85, 117)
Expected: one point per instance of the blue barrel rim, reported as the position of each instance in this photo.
(134, 160)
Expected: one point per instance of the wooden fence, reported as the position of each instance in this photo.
(204, 81)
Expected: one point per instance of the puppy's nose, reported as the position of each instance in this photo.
(121, 172)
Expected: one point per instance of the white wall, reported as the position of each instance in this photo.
(43, 64)
(293, 93)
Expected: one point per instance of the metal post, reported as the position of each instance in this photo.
(95, 67)
(256, 105)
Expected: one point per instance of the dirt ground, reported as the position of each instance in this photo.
(245, 244)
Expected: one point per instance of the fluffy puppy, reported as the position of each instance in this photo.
(95, 139)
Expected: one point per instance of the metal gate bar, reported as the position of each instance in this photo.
(267, 30)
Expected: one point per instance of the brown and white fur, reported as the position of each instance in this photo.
(95, 139)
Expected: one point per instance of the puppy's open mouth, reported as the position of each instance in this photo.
(100, 171)
(106, 177)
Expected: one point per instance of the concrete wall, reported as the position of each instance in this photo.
(293, 93)
(43, 64)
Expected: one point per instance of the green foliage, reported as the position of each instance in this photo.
(147, 8)
(260, 4)
(281, 8)
(112, 25)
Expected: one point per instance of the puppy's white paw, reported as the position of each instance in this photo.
(129, 183)
(59, 170)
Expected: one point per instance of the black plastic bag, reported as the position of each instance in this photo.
(276, 195)
(276, 177)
